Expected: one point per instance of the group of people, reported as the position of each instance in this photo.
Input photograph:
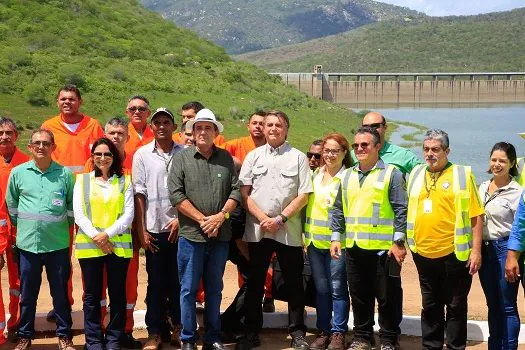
(193, 200)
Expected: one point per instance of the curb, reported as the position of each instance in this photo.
(411, 325)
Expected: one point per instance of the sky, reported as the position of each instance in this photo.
(457, 7)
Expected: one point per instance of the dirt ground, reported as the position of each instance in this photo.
(274, 339)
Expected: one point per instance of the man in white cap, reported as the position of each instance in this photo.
(204, 187)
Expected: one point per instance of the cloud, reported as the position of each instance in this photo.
(455, 7)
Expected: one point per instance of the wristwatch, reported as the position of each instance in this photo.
(283, 217)
(226, 214)
(400, 242)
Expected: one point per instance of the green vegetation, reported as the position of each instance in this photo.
(492, 42)
(243, 26)
(114, 49)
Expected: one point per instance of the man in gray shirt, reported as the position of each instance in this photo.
(275, 183)
(204, 187)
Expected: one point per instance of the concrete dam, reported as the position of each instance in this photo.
(375, 89)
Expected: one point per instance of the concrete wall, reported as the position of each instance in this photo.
(407, 92)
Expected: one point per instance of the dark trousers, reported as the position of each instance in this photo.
(445, 283)
(368, 279)
(232, 317)
(57, 264)
(93, 274)
(163, 291)
(291, 260)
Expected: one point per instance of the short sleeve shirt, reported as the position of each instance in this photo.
(277, 176)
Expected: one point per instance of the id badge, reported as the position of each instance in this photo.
(58, 199)
(166, 181)
(427, 206)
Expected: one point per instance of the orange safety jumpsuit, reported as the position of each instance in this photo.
(72, 151)
(7, 240)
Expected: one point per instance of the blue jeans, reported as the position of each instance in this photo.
(504, 321)
(92, 274)
(196, 260)
(332, 291)
(162, 296)
(58, 266)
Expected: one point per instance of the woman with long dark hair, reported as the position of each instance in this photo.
(103, 208)
(500, 196)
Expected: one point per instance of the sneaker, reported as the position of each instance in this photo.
(321, 341)
(337, 341)
(387, 345)
(51, 317)
(175, 336)
(360, 344)
(127, 341)
(299, 343)
(268, 305)
(23, 343)
(154, 342)
(65, 343)
(199, 307)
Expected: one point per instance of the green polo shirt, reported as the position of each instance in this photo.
(40, 205)
(402, 158)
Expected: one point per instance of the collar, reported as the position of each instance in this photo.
(196, 153)
(385, 149)
(379, 165)
(279, 150)
(153, 147)
(52, 167)
(321, 171)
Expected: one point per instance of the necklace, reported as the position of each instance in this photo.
(434, 177)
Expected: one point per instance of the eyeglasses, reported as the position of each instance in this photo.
(101, 154)
(331, 151)
(140, 109)
(315, 155)
(45, 144)
(373, 125)
(363, 145)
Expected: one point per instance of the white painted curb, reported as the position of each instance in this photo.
(411, 325)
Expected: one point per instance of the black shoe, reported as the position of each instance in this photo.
(248, 342)
(12, 335)
(299, 343)
(165, 334)
(51, 317)
(215, 346)
(128, 342)
(268, 305)
(188, 346)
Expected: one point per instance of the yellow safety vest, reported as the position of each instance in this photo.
(462, 229)
(318, 215)
(521, 172)
(103, 214)
(369, 217)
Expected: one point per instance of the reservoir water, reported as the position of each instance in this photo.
(472, 130)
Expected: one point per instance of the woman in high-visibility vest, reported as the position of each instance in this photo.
(501, 196)
(329, 274)
(103, 208)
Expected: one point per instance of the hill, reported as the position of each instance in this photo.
(114, 49)
(491, 42)
(243, 26)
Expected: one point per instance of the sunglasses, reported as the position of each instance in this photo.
(363, 145)
(41, 144)
(315, 155)
(373, 125)
(331, 151)
(105, 154)
(137, 108)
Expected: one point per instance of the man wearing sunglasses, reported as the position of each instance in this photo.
(139, 131)
(402, 158)
(370, 214)
(314, 155)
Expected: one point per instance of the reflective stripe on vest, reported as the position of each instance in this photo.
(84, 245)
(521, 172)
(462, 229)
(369, 216)
(317, 227)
